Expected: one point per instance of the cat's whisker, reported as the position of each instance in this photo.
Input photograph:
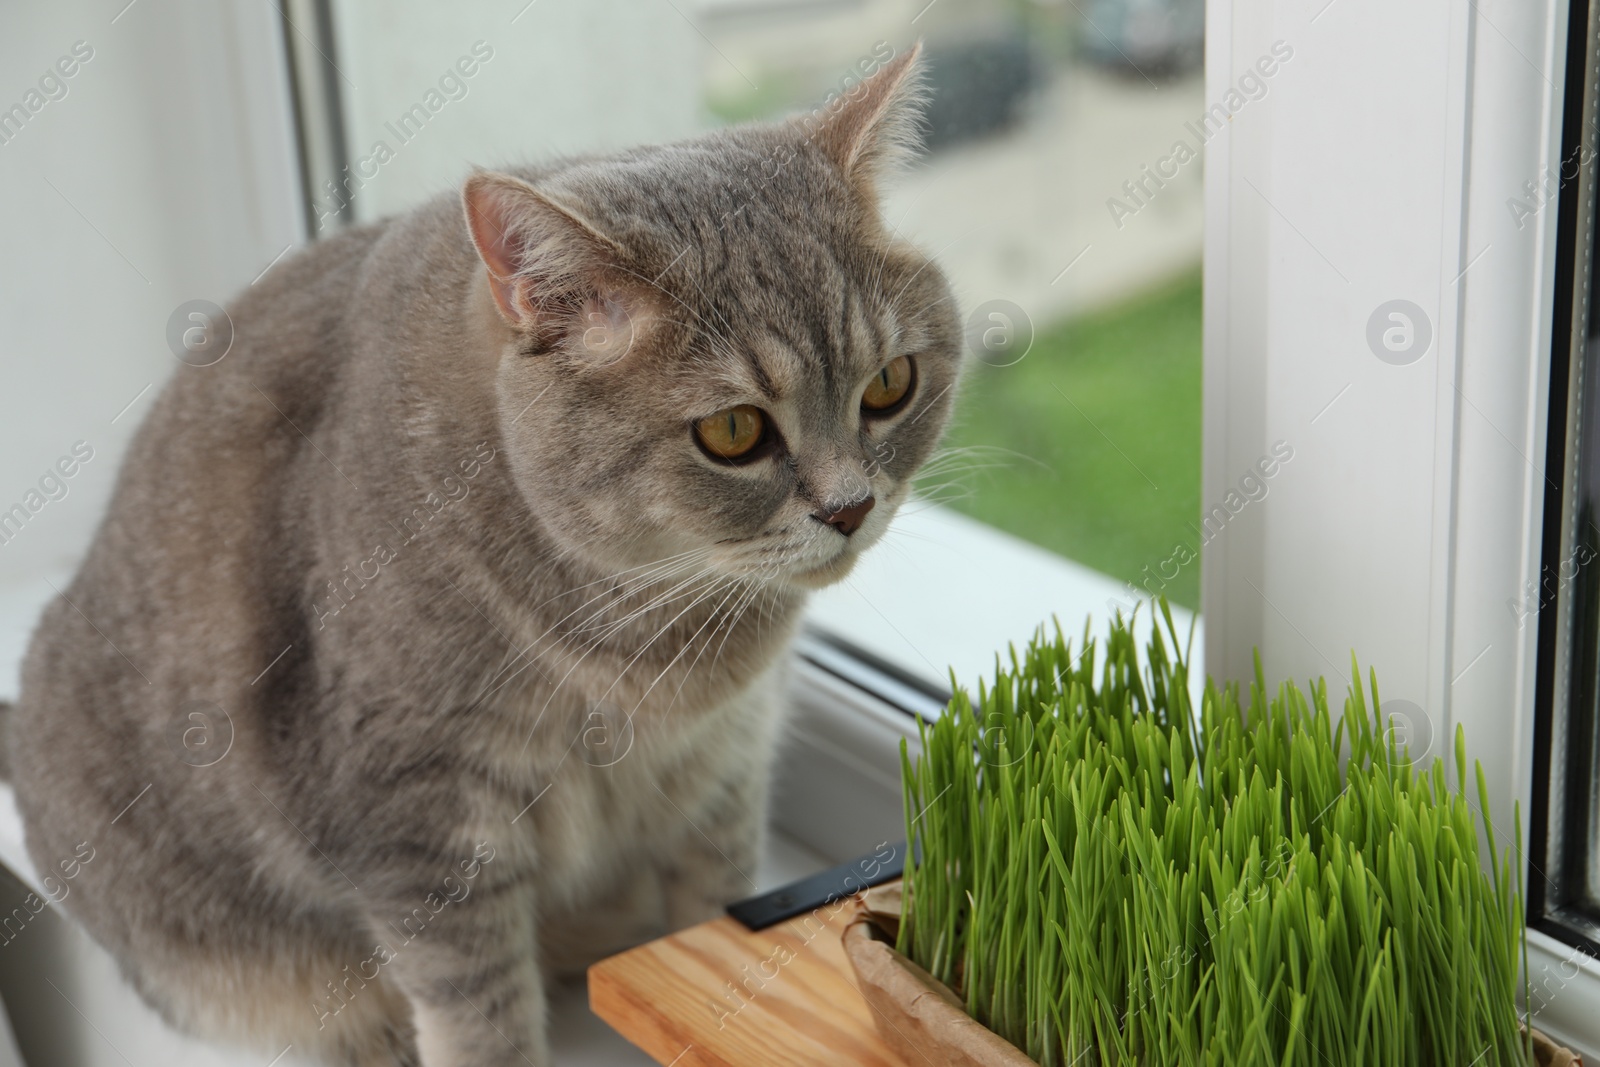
(956, 475)
(597, 622)
(883, 257)
(607, 600)
(649, 571)
(490, 686)
(943, 462)
(689, 671)
(669, 566)
(952, 450)
(897, 532)
(733, 624)
(929, 262)
(944, 455)
(963, 485)
(956, 450)
(642, 650)
(546, 706)
(895, 546)
(929, 505)
(957, 466)
(953, 467)
(685, 588)
(712, 615)
(660, 599)
(962, 475)
(948, 298)
(726, 624)
(576, 641)
(963, 478)
(956, 480)
(945, 490)
(679, 557)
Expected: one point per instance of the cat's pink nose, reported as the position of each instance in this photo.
(847, 520)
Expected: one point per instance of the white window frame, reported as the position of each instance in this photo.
(1380, 167)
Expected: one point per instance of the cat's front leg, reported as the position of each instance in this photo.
(720, 842)
(466, 956)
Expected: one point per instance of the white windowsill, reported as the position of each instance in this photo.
(945, 591)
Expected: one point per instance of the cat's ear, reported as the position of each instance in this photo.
(542, 256)
(874, 125)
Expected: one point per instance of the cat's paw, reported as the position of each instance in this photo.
(690, 902)
(569, 942)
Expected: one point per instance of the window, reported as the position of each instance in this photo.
(1564, 881)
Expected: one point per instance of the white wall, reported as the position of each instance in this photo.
(161, 176)
(164, 174)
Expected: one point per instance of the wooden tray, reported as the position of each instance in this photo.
(717, 995)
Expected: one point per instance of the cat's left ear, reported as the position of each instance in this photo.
(543, 257)
(874, 125)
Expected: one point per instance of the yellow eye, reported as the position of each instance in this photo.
(889, 386)
(732, 433)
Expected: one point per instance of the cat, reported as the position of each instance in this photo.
(434, 638)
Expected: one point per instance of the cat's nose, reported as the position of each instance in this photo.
(847, 520)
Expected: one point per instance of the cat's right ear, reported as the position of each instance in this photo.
(873, 127)
(541, 256)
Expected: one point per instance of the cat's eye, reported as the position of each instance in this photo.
(733, 433)
(888, 389)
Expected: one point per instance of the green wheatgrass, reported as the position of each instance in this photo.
(1103, 879)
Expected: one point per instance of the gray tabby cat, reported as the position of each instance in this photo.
(433, 641)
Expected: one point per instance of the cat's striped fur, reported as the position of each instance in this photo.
(486, 652)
